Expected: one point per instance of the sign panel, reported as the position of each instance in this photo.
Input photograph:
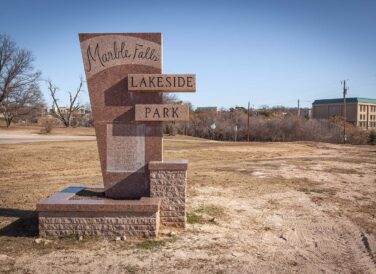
(162, 82)
(125, 148)
(105, 51)
(167, 112)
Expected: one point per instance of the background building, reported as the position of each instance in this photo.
(360, 112)
(206, 109)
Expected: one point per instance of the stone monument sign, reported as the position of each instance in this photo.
(125, 82)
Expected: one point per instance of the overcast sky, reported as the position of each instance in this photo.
(268, 52)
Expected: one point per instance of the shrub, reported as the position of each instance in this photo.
(282, 128)
(170, 129)
(357, 136)
(372, 137)
(47, 123)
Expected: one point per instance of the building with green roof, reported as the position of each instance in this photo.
(360, 112)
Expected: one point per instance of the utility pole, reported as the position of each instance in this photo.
(298, 108)
(248, 122)
(345, 88)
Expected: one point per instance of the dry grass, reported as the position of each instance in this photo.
(80, 131)
(258, 207)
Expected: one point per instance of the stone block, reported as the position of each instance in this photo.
(61, 216)
(168, 182)
(163, 113)
(162, 82)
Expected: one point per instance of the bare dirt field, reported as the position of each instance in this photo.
(252, 208)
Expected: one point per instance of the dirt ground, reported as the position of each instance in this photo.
(252, 208)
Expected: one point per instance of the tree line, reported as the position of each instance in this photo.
(20, 93)
(268, 125)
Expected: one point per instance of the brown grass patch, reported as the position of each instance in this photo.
(248, 191)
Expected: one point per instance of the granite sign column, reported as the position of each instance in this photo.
(125, 145)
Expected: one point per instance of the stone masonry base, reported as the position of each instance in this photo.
(111, 224)
(60, 216)
(168, 181)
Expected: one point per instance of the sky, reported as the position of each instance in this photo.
(266, 52)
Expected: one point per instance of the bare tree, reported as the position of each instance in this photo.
(21, 102)
(65, 116)
(19, 91)
(16, 70)
(170, 98)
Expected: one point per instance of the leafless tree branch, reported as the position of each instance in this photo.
(16, 68)
(65, 118)
(19, 89)
(21, 103)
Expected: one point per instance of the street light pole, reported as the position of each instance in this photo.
(298, 108)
